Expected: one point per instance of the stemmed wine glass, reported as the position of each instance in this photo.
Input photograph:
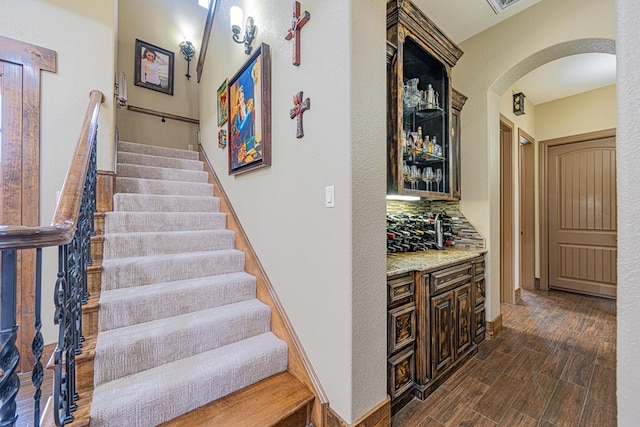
(438, 178)
(406, 171)
(414, 176)
(427, 176)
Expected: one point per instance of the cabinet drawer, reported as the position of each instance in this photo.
(401, 323)
(479, 267)
(480, 290)
(401, 370)
(480, 324)
(449, 278)
(400, 288)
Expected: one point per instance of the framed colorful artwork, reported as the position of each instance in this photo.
(153, 67)
(223, 103)
(250, 114)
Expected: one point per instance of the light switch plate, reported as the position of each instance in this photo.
(329, 199)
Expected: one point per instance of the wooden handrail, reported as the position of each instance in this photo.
(206, 35)
(65, 217)
(163, 115)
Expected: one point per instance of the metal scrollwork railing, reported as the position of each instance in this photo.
(70, 230)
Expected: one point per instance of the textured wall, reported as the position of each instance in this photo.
(628, 135)
(326, 264)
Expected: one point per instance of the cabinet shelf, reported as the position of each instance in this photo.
(409, 114)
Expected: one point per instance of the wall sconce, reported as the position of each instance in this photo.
(518, 103)
(187, 49)
(249, 29)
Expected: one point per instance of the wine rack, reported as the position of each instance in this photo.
(413, 233)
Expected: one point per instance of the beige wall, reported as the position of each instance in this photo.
(327, 264)
(489, 66)
(627, 137)
(586, 112)
(82, 34)
(526, 122)
(163, 23)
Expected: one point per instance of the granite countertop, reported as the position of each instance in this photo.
(398, 263)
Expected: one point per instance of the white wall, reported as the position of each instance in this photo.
(490, 65)
(82, 34)
(163, 23)
(628, 158)
(328, 265)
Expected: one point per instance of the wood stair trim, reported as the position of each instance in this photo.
(270, 402)
(299, 364)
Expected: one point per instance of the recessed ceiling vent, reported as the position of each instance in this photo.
(500, 5)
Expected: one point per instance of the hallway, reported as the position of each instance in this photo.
(554, 364)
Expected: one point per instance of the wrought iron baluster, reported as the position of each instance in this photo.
(37, 346)
(62, 398)
(9, 355)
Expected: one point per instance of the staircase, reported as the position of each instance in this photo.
(182, 338)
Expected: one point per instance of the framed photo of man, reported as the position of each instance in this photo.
(153, 67)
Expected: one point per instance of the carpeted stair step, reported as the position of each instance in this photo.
(160, 394)
(151, 172)
(140, 271)
(124, 245)
(125, 222)
(159, 161)
(140, 304)
(154, 150)
(157, 186)
(130, 202)
(136, 348)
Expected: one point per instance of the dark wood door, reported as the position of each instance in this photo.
(462, 321)
(21, 64)
(582, 217)
(442, 332)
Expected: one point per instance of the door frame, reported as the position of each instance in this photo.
(507, 258)
(543, 154)
(526, 198)
(33, 60)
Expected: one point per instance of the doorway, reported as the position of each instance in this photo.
(527, 243)
(507, 261)
(578, 232)
(20, 67)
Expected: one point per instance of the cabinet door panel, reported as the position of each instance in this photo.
(442, 332)
(401, 327)
(401, 371)
(480, 290)
(480, 324)
(463, 328)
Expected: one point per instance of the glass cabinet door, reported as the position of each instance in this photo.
(424, 134)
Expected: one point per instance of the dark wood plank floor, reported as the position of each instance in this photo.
(24, 400)
(554, 365)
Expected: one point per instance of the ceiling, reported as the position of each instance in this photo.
(462, 19)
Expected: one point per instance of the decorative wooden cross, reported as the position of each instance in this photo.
(297, 22)
(299, 107)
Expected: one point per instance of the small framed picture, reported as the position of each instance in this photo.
(153, 67)
(223, 104)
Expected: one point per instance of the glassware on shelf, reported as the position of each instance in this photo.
(438, 178)
(414, 176)
(406, 171)
(427, 177)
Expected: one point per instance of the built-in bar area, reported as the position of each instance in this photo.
(435, 257)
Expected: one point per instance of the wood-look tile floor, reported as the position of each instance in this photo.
(553, 365)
